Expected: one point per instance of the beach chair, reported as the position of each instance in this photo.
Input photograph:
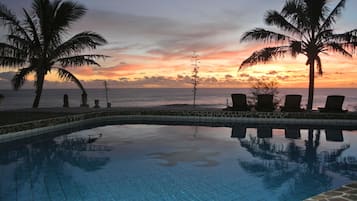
(292, 103)
(239, 102)
(333, 104)
(265, 103)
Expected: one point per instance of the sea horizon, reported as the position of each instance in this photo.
(150, 97)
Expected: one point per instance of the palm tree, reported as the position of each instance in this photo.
(307, 29)
(36, 44)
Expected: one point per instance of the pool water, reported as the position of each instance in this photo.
(159, 162)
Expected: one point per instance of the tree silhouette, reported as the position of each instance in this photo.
(307, 29)
(42, 161)
(36, 46)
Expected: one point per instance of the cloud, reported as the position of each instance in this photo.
(228, 77)
(244, 75)
(158, 36)
(272, 72)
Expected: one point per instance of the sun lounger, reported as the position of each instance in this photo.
(265, 103)
(333, 104)
(239, 102)
(292, 103)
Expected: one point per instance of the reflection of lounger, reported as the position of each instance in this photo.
(238, 132)
(292, 133)
(264, 132)
(334, 135)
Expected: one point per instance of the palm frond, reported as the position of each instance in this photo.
(347, 37)
(264, 35)
(32, 28)
(275, 18)
(66, 13)
(80, 60)
(68, 76)
(10, 20)
(324, 35)
(20, 77)
(18, 41)
(337, 47)
(331, 19)
(294, 10)
(45, 12)
(315, 10)
(319, 65)
(295, 48)
(79, 43)
(9, 50)
(265, 55)
(11, 61)
(292, 7)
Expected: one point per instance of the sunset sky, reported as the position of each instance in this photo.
(150, 44)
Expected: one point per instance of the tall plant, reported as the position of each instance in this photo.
(307, 29)
(36, 45)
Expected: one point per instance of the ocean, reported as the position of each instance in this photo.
(213, 98)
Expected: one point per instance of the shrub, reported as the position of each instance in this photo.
(264, 87)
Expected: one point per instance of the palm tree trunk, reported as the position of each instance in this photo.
(39, 86)
(310, 98)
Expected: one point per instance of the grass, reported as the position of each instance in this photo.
(12, 117)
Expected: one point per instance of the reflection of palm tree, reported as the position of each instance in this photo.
(308, 30)
(37, 43)
(34, 161)
(304, 168)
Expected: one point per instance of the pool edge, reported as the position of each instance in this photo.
(62, 123)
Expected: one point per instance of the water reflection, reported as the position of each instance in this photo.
(297, 163)
(48, 160)
(283, 162)
(334, 134)
(200, 158)
(239, 131)
(292, 133)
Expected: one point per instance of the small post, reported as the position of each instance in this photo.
(96, 103)
(84, 100)
(1, 97)
(65, 101)
(106, 95)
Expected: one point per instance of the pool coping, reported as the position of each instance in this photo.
(345, 193)
(23, 130)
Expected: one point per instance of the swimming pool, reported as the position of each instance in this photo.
(167, 162)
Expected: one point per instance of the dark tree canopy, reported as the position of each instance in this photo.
(306, 29)
(36, 45)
